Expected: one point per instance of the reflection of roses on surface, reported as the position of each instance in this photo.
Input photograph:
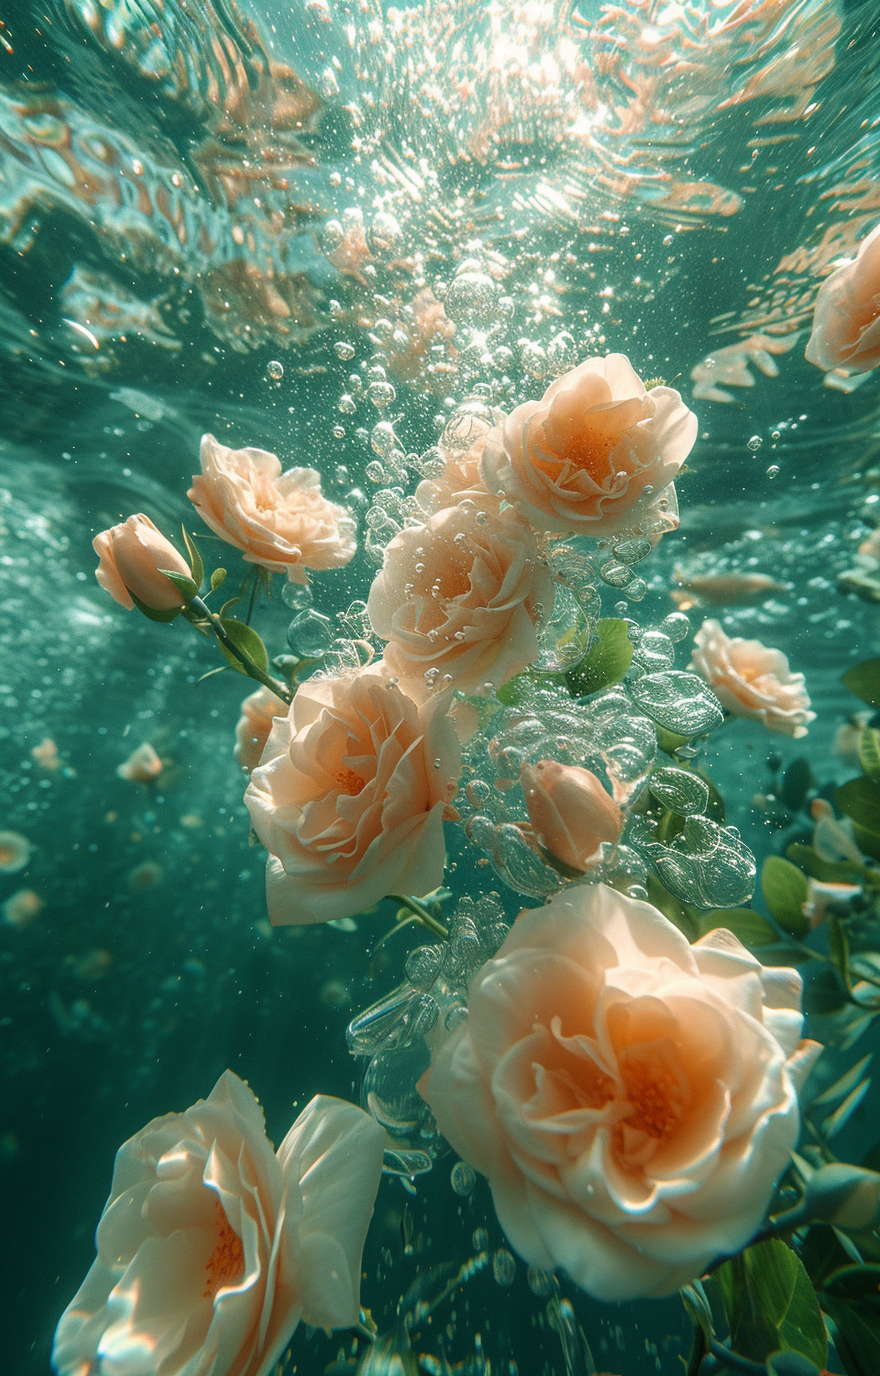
(212, 1248)
(631, 1098)
(595, 455)
(846, 320)
(461, 596)
(350, 796)
(280, 521)
(752, 680)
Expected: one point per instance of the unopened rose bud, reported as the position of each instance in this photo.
(570, 811)
(846, 1196)
(131, 555)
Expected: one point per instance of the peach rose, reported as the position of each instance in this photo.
(595, 455)
(280, 521)
(142, 766)
(846, 321)
(350, 796)
(461, 595)
(15, 851)
(257, 713)
(570, 811)
(211, 1247)
(751, 680)
(631, 1098)
(131, 555)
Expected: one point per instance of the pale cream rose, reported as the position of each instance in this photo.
(462, 595)
(257, 714)
(631, 1098)
(212, 1247)
(571, 813)
(280, 521)
(752, 680)
(846, 320)
(142, 766)
(350, 796)
(130, 557)
(597, 454)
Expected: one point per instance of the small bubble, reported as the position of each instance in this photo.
(480, 1240)
(541, 1283)
(503, 1267)
(343, 350)
(754, 443)
(463, 1178)
(275, 370)
(773, 470)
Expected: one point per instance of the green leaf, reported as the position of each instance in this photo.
(791, 1364)
(217, 577)
(786, 890)
(245, 638)
(853, 1282)
(856, 1334)
(847, 1081)
(867, 840)
(864, 681)
(860, 800)
(771, 1305)
(669, 741)
(796, 783)
(826, 871)
(184, 585)
(824, 993)
(842, 1114)
(152, 613)
(194, 559)
(605, 663)
(838, 944)
(822, 1253)
(869, 752)
(751, 928)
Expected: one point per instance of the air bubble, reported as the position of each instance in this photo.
(503, 1267)
(754, 443)
(463, 1178)
(541, 1283)
(275, 370)
(472, 300)
(344, 350)
(773, 470)
(310, 634)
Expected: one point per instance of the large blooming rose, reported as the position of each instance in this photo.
(350, 796)
(280, 521)
(752, 680)
(130, 557)
(596, 454)
(631, 1098)
(846, 321)
(258, 711)
(461, 596)
(211, 1247)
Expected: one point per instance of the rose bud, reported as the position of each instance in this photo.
(131, 556)
(570, 811)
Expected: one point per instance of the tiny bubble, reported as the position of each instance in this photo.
(275, 370)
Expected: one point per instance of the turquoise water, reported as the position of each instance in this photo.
(329, 231)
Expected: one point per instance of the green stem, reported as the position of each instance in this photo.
(733, 1360)
(251, 669)
(258, 573)
(420, 914)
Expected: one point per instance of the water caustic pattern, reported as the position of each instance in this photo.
(494, 387)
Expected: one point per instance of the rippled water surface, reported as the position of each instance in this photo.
(323, 229)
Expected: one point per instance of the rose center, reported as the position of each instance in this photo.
(226, 1263)
(656, 1095)
(349, 782)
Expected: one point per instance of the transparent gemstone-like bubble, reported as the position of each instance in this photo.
(472, 301)
(680, 701)
(310, 633)
(463, 1178)
(541, 1283)
(423, 966)
(654, 651)
(565, 636)
(389, 1089)
(503, 1267)
(683, 793)
(520, 866)
(707, 865)
(400, 1018)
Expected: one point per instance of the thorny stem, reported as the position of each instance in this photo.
(251, 669)
(420, 914)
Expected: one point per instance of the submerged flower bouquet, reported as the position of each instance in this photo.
(618, 1064)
